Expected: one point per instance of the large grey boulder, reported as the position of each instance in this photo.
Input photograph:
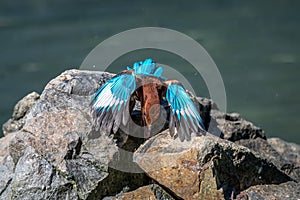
(52, 156)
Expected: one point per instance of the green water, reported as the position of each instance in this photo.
(255, 45)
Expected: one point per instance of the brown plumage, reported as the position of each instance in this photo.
(150, 95)
(113, 102)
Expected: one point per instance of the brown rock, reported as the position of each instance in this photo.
(149, 192)
(140, 193)
(181, 166)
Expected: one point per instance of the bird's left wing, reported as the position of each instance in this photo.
(184, 116)
(110, 104)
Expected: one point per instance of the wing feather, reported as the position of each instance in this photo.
(126, 114)
(184, 114)
(110, 102)
(172, 126)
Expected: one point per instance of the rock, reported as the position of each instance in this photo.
(205, 106)
(183, 167)
(35, 178)
(24, 105)
(289, 151)
(230, 126)
(19, 114)
(234, 128)
(53, 155)
(6, 165)
(284, 156)
(151, 192)
(289, 190)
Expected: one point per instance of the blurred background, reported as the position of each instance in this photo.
(255, 45)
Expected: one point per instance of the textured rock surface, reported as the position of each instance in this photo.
(149, 192)
(290, 151)
(229, 126)
(183, 166)
(6, 165)
(51, 151)
(19, 113)
(51, 157)
(285, 156)
(289, 190)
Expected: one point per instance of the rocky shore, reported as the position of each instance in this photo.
(51, 151)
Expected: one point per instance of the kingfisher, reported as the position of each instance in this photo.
(113, 103)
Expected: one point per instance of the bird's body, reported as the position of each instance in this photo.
(144, 82)
(150, 95)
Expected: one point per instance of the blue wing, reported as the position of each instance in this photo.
(147, 67)
(184, 115)
(110, 103)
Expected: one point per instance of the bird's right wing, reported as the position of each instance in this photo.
(184, 116)
(110, 104)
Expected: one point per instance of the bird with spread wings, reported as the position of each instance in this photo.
(144, 82)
